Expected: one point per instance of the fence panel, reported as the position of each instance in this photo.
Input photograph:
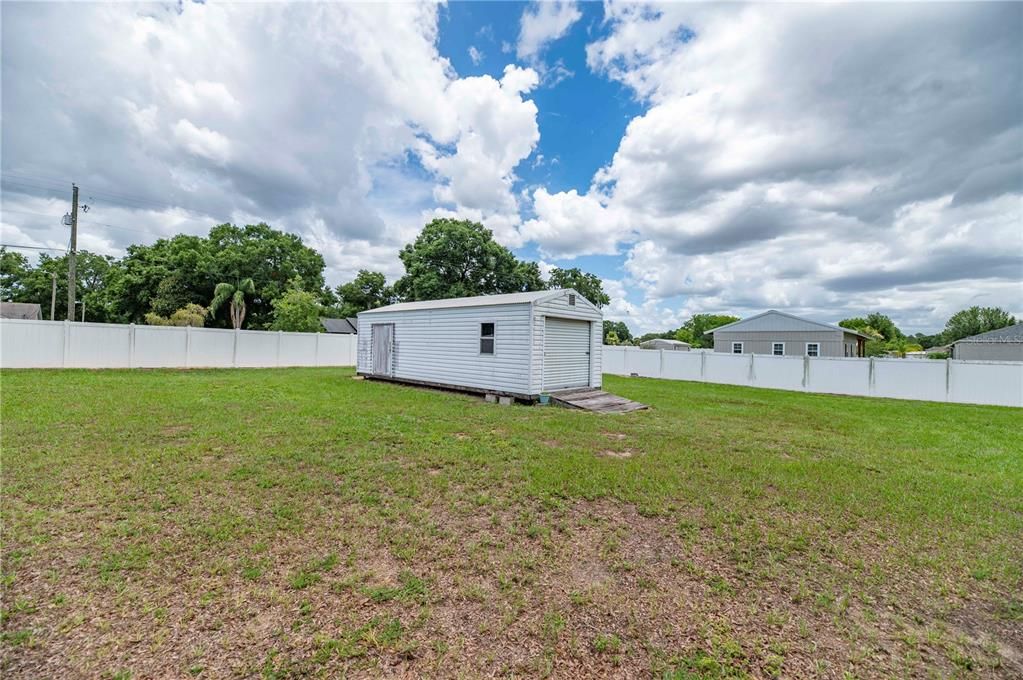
(614, 360)
(728, 369)
(974, 382)
(98, 345)
(833, 375)
(298, 349)
(53, 344)
(210, 348)
(681, 365)
(981, 382)
(780, 373)
(902, 379)
(644, 363)
(160, 347)
(36, 344)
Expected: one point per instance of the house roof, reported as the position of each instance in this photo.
(1013, 333)
(349, 325)
(20, 310)
(530, 297)
(665, 340)
(761, 323)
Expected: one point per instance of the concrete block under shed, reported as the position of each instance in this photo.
(504, 401)
(491, 398)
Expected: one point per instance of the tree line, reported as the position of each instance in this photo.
(257, 277)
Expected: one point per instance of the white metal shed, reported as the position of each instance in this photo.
(519, 344)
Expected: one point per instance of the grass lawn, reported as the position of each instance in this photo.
(299, 522)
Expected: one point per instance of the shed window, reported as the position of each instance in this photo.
(778, 349)
(813, 349)
(736, 348)
(487, 338)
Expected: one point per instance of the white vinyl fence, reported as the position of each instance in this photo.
(69, 344)
(965, 382)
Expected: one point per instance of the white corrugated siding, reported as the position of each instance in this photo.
(442, 346)
(566, 360)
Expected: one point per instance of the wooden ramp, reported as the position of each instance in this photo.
(598, 401)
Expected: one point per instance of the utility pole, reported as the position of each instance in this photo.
(71, 254)
(53, 296)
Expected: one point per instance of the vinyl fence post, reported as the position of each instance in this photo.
(870, 377)
(67, 343)
(188, 346)
(234, 350)
(131, 345)
(806, 371)
(948, 379)
(660, 368)
(280, 339)
(703, 365)
(316, 352)
(751, 377)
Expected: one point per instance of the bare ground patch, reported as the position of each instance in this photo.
(593, 589)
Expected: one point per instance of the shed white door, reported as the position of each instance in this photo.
(382, 342)
(566, 354)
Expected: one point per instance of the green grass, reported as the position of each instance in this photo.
(299, 521)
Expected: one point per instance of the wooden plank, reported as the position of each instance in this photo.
(597, 401)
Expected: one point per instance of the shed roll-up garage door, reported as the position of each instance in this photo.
(566, 354)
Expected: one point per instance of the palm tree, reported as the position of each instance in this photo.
(236, 294)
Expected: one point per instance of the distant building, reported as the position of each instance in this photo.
(349, 326)
(20, 310)
(1004, 344)
(782, 334)
(664, 343)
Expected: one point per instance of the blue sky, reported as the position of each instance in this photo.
(824, 159)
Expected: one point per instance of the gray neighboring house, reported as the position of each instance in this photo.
(782, 334)
(664, 343)
(1004, 344)
(21, 310)
(517, 344)
(349, 326)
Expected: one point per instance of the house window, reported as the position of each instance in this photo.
(571, 299)
(813, 349)
(778, 349)
(487, 338)
(736, 348)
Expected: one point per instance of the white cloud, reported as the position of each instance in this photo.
(475, 54)
(302, 115)
(203, 142)
(814, 158)
(542, 23)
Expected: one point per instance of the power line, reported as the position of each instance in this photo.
(15, 245)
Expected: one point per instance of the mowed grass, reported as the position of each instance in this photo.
(299, 522)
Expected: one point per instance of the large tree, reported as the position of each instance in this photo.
(14, 269)
(171, 273)
(95, 276)
(694, 331)
(297, 310)
(368, 290)
(587, 285)
(874, 324)
(459, 258)
(620, 330)
(976, 320)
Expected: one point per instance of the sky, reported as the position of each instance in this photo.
(827, 160)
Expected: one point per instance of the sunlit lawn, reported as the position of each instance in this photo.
(301, 522)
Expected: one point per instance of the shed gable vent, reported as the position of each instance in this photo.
(571, 299)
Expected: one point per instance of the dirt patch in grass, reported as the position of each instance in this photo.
(598, 590)
(620, 454)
